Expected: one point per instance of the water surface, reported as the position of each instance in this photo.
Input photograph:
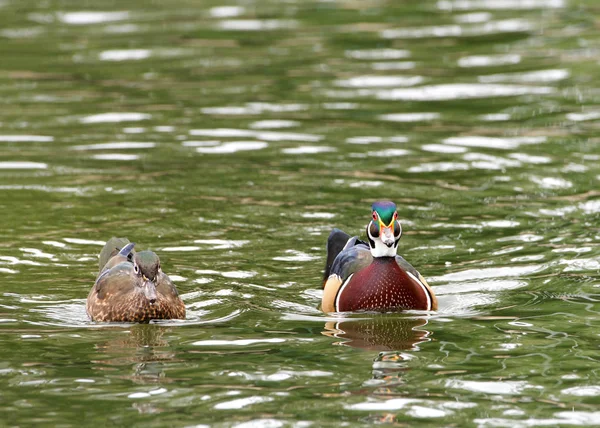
(231, 138)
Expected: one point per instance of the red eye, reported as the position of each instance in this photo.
(395, 215)
(374, 215)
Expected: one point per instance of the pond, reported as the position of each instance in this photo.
(231, 138)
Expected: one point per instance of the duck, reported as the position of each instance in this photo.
(131, 287)
(371, 276)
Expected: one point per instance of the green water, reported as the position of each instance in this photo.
(230, 140)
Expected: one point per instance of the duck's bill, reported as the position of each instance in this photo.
(150, 291)
(387, 236)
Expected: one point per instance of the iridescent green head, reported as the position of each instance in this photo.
(384, 230)
(386, 212)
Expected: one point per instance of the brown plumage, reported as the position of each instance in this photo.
(131, 287)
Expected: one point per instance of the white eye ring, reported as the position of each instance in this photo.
(136, 268)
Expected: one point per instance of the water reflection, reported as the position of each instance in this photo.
(379, 333)
(143, 347)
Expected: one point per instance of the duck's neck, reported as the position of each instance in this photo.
(384, 259)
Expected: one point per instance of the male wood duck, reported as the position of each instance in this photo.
(131, 287)
(361, 276)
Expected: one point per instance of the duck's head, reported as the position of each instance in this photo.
(146, 266)
(384, 230)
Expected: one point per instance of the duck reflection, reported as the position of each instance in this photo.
(388, 332)
(142, 345)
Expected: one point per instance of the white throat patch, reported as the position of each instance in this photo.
(381, 250)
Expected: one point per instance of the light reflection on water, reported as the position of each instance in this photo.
(231, 139)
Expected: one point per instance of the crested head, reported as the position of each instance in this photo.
(146, 263)
(385, 210)
(384, 230)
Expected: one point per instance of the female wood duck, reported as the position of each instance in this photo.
(131, 287)
(361, 276)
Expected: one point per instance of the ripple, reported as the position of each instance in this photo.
(242, 402)
(493, 285)
(581, 264)
(495, 272)
(377, 54)
(558, 212)
(86, 17)
(296, 256)
(505, 143)
(415, 407)
(221, 244)
(583, 391)
(116, 156)
(226, 11)
(366, 184)
(181, 249)
(257, 24)
(263, 135)
(490, 27)
(469, 18)
(456, 91)
(441, 148)
(489, 162)
(541, 76)
(34, 252)
(409, 117)
(42, 188)
(590, 207)
(579, 117)
(500, 223)
(236, 342)
(26, 138)
(124, 54)
(388, 153)
(122, 28)
(308, 150)
(21, 33)
(280, 375)
(500, 388)
(488, 60)
(115, 117)
(495, 117)
(393, 65)
(83, 241)
(552, 183)
(500, 4)
(134, 130)
(523, 157)
(563, 418)
(525, 237)
(208, 143)
(116, 145)
(23, 165)
(318, 215)
(254, 108)
(368, 139)
(238, 274)
(233, 147)
(439, 167)
(274, 124)
(379, 81)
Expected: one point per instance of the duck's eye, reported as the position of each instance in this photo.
(397, 229)
(374, 215)
(396, 215)
(136, 269)
(374, 230)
